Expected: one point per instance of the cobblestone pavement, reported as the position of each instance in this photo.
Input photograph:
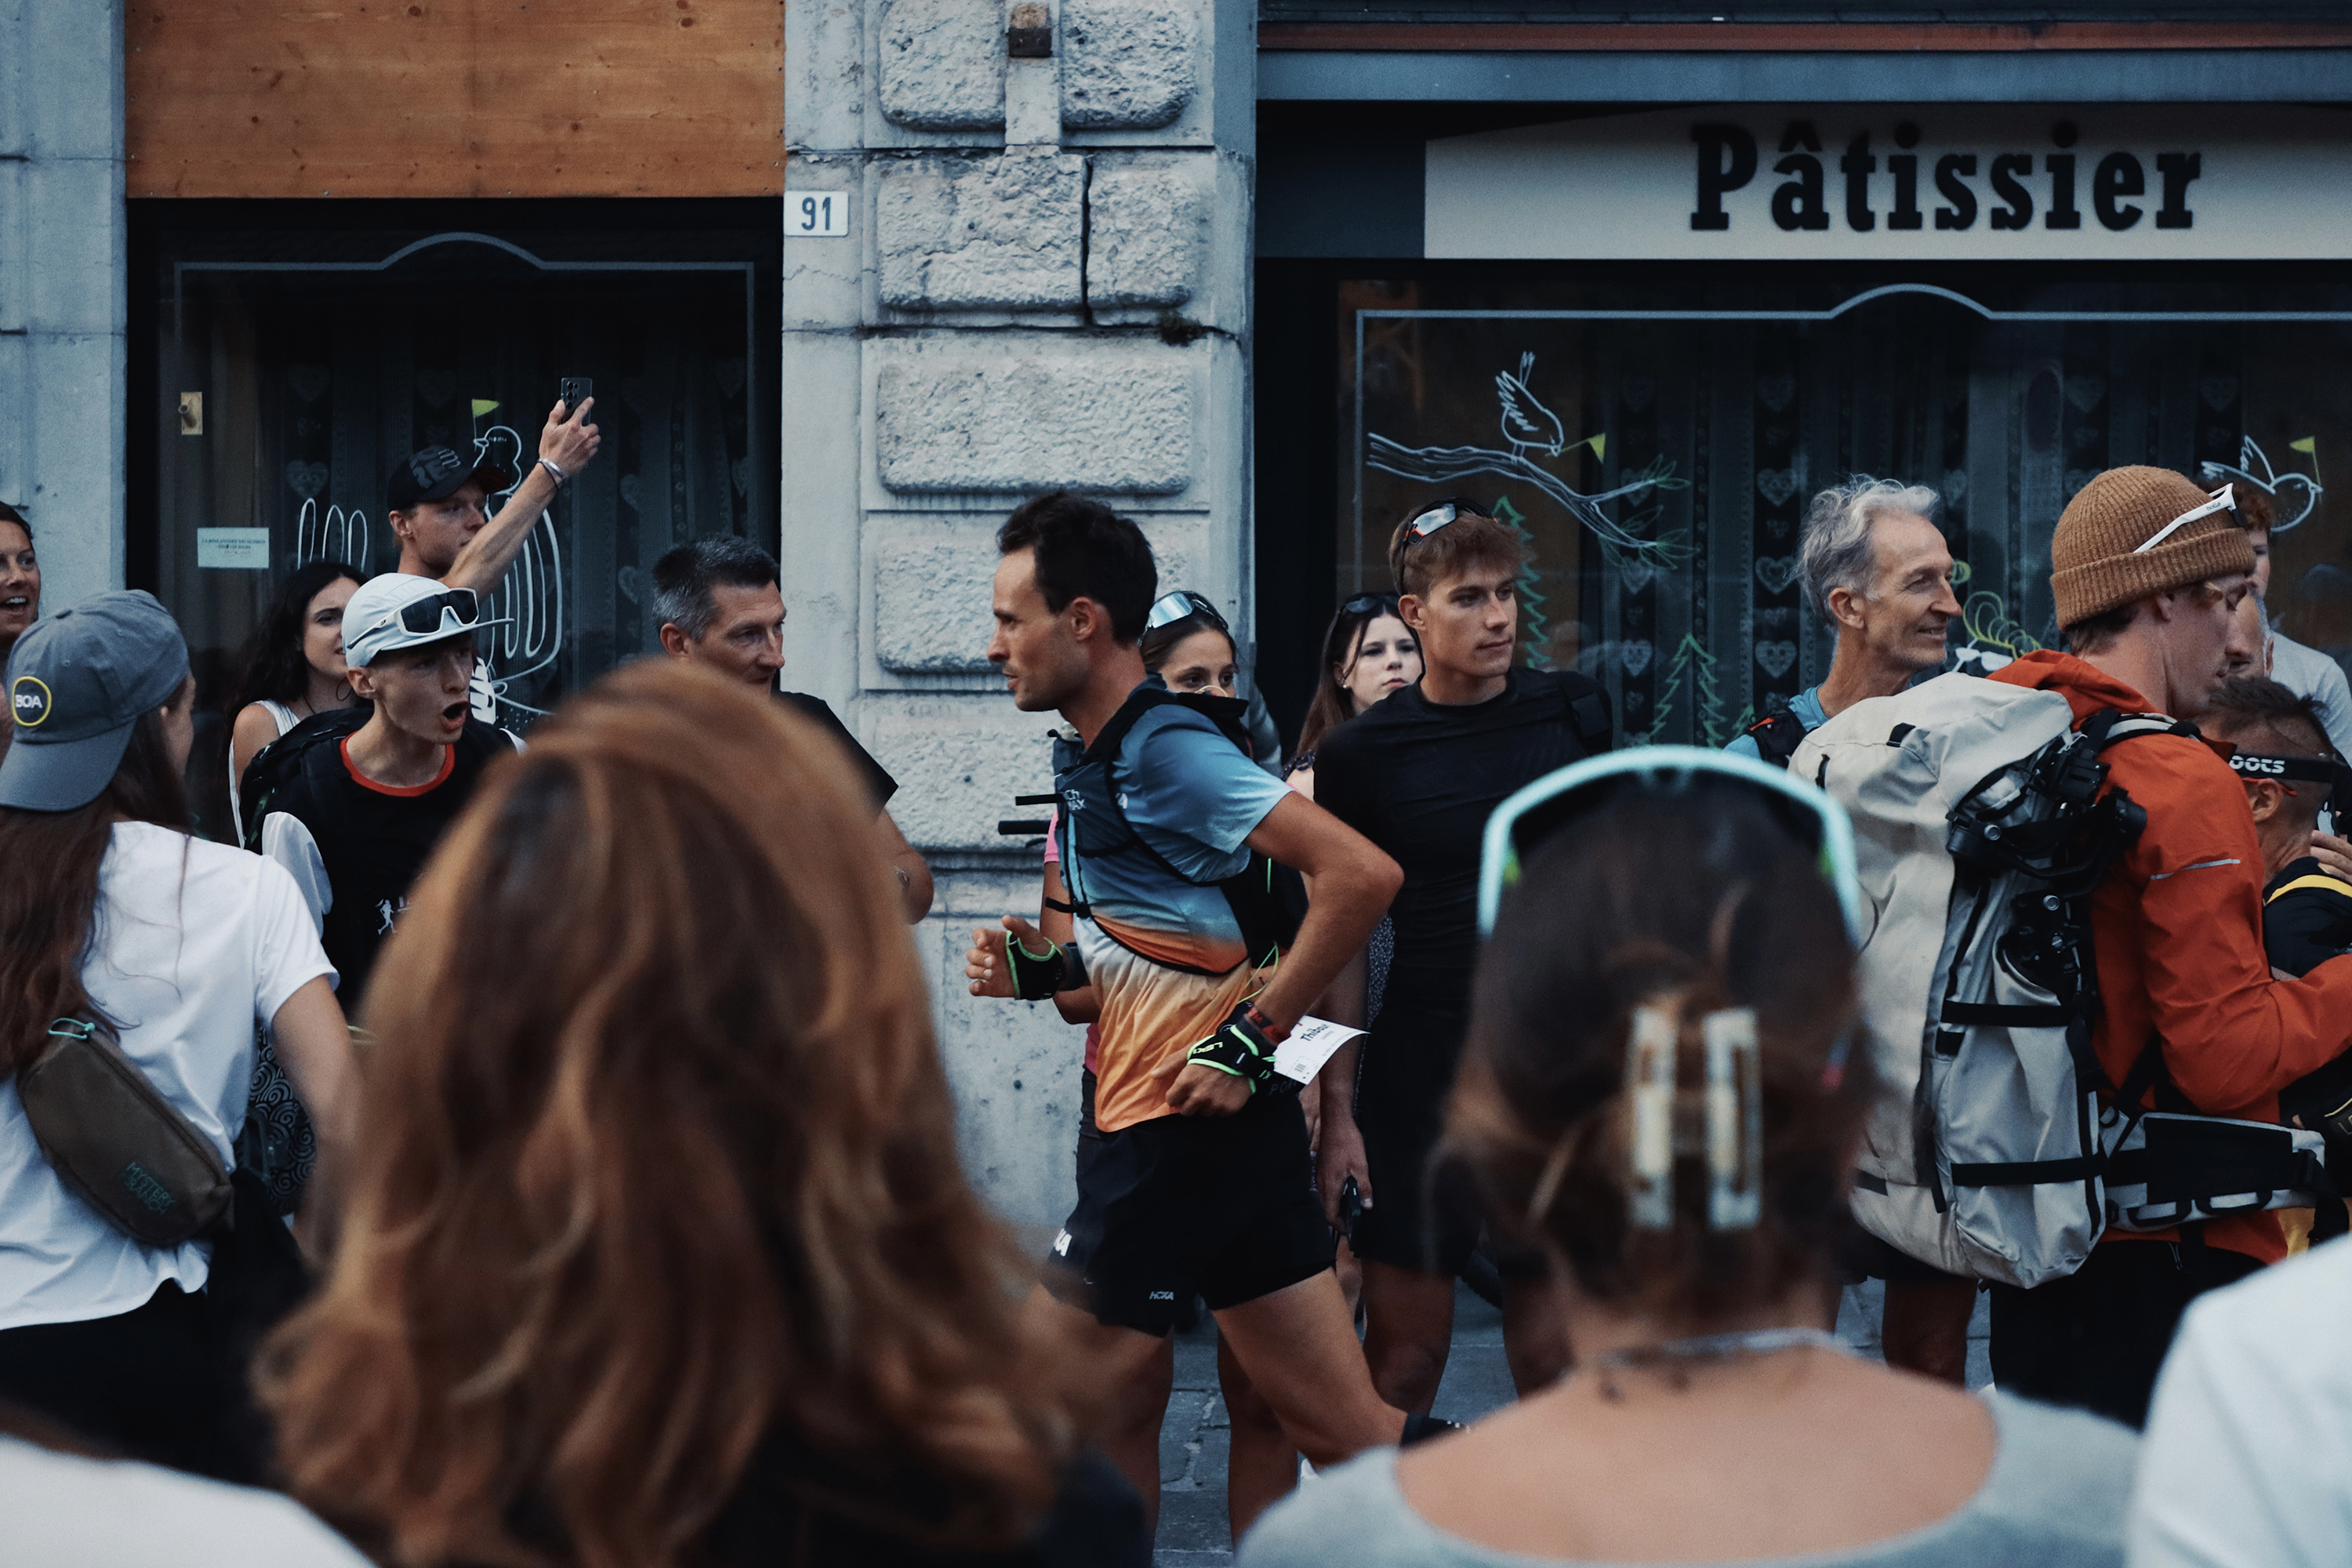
(1194, 1442)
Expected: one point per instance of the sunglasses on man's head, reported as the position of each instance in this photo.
(1367, 604)
(1439, 516)
(1173, 608)
(425, 614)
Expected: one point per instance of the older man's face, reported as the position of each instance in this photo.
(1910, 605)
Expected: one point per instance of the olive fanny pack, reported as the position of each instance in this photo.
(111, 1134)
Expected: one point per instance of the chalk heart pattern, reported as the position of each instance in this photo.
(1635, 576)
(309, 381)
(2086, 391)
(1778, 484)
(1636, 654)
(1776, 571)
(436, 387)
(1777, 657)
(306, 480)
(1777, 391)
(1637, 391)
(631, 487)
(2219, 391)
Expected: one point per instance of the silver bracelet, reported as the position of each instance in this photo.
(555, 473)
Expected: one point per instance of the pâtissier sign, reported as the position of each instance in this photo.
(1910, 181)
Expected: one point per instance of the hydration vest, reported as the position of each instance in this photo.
(1268, 900)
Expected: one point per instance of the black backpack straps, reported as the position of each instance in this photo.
(1588, 710)
(281, 763)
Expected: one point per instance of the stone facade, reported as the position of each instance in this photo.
(1045, 284)
(63, 310)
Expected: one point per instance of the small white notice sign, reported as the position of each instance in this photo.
(1302, 1055)
(816, 214)
(233, 549)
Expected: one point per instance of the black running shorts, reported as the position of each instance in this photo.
(1218, 1207)
(1424, 1217)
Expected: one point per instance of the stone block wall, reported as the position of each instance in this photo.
(63, 311)
(1044, 284)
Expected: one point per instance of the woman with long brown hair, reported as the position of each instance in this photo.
(656, 1250)
(112, 913)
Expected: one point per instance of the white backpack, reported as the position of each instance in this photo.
(1981, 833)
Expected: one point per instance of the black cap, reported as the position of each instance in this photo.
(438, 472)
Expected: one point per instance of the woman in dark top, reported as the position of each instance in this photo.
(656, 1250)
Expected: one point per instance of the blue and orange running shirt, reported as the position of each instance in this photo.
(1193, 797)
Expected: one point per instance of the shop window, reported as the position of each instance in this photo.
(290, 388)
(1658, 462)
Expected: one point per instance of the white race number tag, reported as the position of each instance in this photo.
(1302, 1055)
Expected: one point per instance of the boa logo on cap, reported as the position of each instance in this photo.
(29, 701)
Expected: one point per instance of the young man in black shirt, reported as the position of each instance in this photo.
(721, 607)
(352, 801)
(1419, 775)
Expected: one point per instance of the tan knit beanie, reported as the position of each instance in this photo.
(2092, 564)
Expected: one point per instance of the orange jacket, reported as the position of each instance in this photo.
(2176, 927)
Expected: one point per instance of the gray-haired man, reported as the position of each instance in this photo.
(1879, 571)
(1874, 565)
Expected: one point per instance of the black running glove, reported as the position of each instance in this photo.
(1243, 1047)
(1038, 975)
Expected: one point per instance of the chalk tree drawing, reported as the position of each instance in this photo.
(1528, 427)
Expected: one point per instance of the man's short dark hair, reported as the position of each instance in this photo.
(1085, 551)
(2261, 715)
(685, 575)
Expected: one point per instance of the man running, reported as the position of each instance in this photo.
(1418, 774)
(1201, 1183)
(720, 606)
(354, 807)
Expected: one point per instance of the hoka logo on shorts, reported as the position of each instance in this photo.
(153, 1194)
(1062, 1245)
(1164, 1296)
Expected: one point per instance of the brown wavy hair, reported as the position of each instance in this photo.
(50, 862)
(658, 1163)
(1699, 900)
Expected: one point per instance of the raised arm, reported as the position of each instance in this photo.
(568, 444)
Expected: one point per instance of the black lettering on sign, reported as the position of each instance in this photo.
(1727, 161)
(2119, 175)
(1905, 167)
(1857, 167)
(2176, 168)
(1797, 202)
(1950, 172)
(2063, 213)
(2019, 213)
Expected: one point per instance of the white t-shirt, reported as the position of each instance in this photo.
(103, 1513)
(192, 944)
(2248, 1457)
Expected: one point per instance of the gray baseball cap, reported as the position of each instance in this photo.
(77, 681)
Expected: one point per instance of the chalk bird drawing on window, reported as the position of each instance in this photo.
(1530, 430)
(2293, 497)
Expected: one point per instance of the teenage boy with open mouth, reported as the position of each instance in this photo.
(353, 800)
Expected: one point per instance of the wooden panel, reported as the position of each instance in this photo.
(1902, 38)
(454, 98)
